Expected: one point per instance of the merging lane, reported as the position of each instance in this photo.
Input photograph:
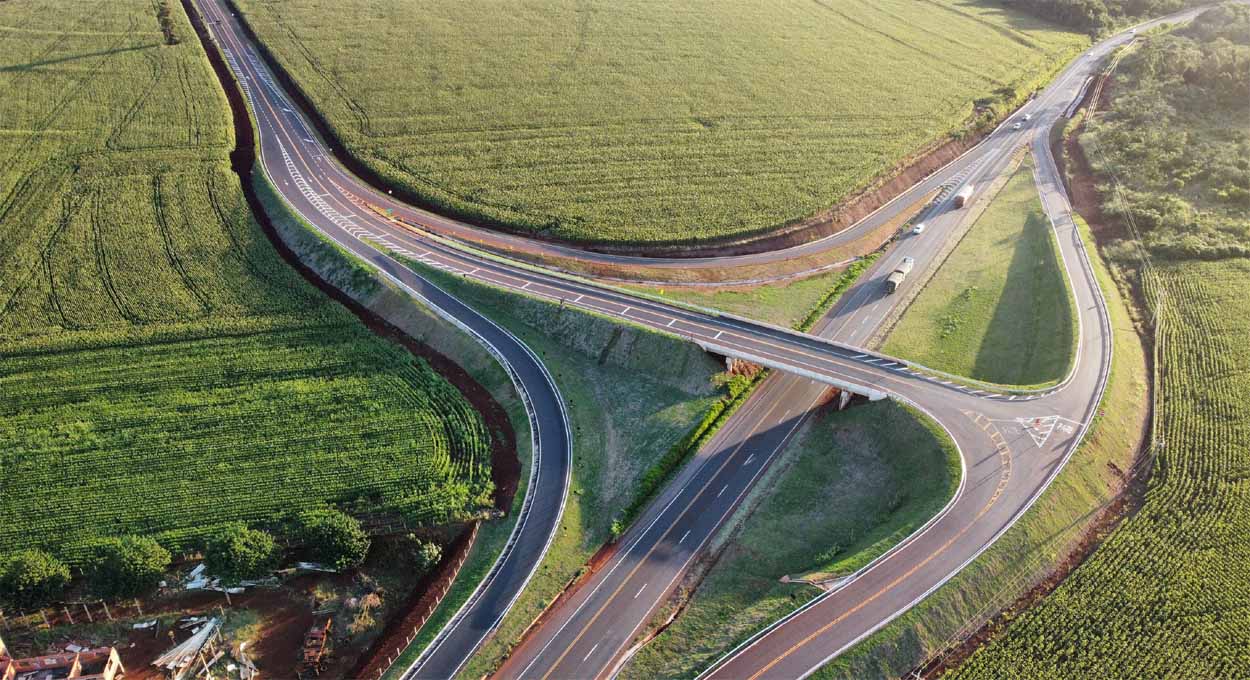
(1011, 445)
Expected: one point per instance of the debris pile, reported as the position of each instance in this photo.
(101, 663)
(196, 654)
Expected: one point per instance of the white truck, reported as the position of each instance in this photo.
(900, 272)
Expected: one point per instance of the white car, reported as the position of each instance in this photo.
(1017, 126)
(918, 229)
(1028, 116)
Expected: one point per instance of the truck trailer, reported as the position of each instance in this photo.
(900, 272)
(962, 198)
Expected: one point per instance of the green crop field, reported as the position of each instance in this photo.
(649, 122)
(998, 309)
(1166, 594)
(162, 371)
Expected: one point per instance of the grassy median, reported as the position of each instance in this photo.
(998, 309)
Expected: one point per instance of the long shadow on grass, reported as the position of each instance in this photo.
(75, 57)
(1029, 338)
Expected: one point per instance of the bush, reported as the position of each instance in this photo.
(32, 578)
(425, 554)
(126, 567)
(332, 538)
(238, 554)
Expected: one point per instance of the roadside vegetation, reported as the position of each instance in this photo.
(631, 394)
(998, 309)
(793, 304)
(164, 373)
(631, 122)
(1165, 595)
(1099, 16)
(851, 486)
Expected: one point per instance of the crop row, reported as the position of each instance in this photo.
(644, 122)
(1168, 594)
(163, 371)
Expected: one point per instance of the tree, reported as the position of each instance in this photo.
(238, 553)
(32, 578)
(428, 555)
(332, 538)
(126, 567)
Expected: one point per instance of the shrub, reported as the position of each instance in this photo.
(32, 578)
(332, 538)
(238, 554)
(126, 567)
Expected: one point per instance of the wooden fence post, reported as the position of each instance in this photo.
(88, 613)
(107, 613)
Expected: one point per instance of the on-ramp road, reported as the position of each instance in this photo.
(1011, 445)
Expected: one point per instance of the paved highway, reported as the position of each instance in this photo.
(1011, 445)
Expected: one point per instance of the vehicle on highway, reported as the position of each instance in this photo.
(918, 229)
(961, 198)
(900, 272)
(1017, 126)
(1028, 116)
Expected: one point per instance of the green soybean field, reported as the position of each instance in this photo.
(162, 370)
(644, 122)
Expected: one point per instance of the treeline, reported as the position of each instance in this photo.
(1097, 16)
(132, 566)
(1174, 145)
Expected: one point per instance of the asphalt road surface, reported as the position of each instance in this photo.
(1011, 445)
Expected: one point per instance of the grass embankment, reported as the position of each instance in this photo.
(631, 395)
(793, 304)
(852, 485)
(1166, 594)
(1047, 533)
(643, 123)
(998, 309)
(163, 370)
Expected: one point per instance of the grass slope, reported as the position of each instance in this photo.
(852, 485)
(998, 309)
(163, 371)
(631, 394)
(1051, 528)
(649, 122)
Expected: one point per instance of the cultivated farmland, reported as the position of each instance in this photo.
(1166, 595)
(162, 370)
(649, 122)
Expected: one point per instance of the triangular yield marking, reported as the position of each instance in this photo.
(1039, 429)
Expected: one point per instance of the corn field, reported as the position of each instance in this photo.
(162, 370)
(647, 122)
